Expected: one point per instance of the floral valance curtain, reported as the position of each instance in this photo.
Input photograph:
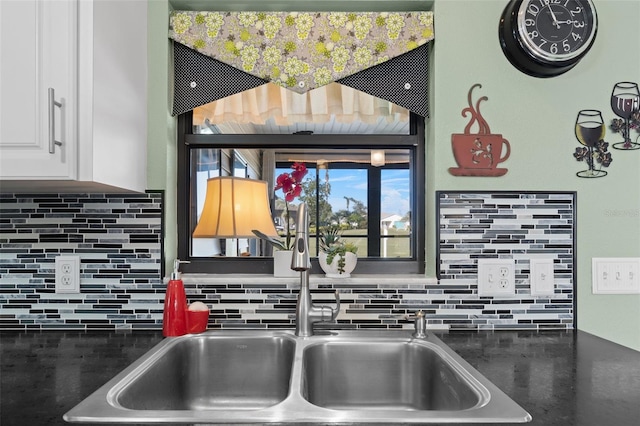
(302, 50)
(219, 54)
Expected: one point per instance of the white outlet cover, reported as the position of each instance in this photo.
(496, 277)
(67, 274)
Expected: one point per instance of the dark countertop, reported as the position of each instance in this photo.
(561, 378)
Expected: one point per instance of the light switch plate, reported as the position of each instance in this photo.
(496, 277)
(615, 275)
(542, 277)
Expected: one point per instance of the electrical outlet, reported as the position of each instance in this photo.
(615, 275)
(496, 277)
(67, 274)
(542, 277)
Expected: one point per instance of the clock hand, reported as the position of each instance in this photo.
(555, 20)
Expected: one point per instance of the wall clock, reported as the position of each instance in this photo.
(545, 38)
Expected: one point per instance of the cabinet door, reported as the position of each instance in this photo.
(38, 50)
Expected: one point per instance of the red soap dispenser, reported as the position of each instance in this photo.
(174, 319)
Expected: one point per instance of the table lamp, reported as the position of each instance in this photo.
(233, 208)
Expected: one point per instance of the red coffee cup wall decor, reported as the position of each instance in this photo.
(478, 154)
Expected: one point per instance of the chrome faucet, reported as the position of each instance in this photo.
(306, 312)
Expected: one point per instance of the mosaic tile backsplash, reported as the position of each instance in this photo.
(508, 225)
(119, 241)
(118, 238)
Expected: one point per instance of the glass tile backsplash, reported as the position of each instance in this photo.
(119, 238)
(509, 225)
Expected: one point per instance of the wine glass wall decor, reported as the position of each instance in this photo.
(590, 130)
(625, 103)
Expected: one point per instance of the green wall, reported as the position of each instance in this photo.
(535, 115)
(162, 145)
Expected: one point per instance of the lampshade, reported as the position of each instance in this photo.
(233, 207)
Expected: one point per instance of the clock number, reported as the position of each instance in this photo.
(576, 37)
(533, 9)
(554, 48)
(576, 11)
(566, 46)
(545, 3)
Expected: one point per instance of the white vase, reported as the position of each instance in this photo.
(332, 270)
(282, 264)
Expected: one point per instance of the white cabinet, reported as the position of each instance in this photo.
(113, 93)
(99, 50)
(37, 53)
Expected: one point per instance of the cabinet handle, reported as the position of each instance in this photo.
(52, 121)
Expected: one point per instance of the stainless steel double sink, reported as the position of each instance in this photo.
(344, 377)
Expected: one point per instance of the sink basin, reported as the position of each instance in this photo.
(202, 373)
(384, 376)
(257, 376)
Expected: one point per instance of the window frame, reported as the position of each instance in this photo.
(187, 141)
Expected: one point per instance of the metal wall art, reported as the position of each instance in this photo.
(590, 130)
(625, 103)
(478, 154)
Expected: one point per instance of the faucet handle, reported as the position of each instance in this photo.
(419, 323)
(328, 313)
(336, 310)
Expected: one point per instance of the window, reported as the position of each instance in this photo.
(377, 203)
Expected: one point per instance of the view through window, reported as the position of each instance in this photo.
(369, 205)
(363, 178)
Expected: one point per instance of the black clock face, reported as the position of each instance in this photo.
(556, 30)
